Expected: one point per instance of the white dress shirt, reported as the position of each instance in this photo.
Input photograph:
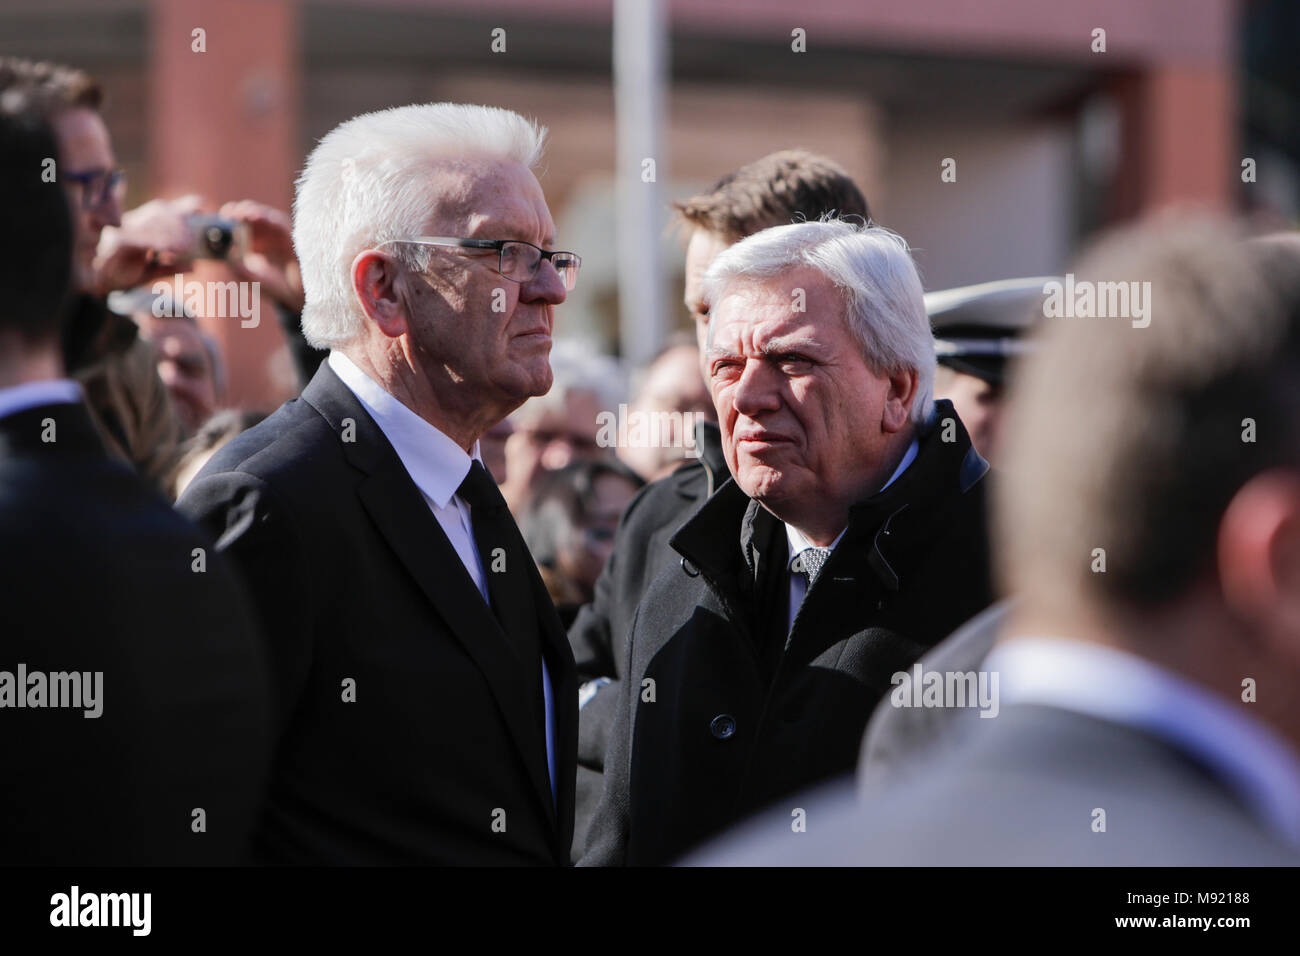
(437, 466)
(1122, 688)
(50, 391)
(798, 543)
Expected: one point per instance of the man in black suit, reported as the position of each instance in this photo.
(1149, 526)
(134, 700)
(426, 691)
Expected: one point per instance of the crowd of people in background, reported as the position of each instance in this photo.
(440, 608)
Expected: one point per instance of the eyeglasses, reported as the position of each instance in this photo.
(517, 260)
(98, 186)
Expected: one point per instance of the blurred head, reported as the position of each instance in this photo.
(478, 341)
(560, 428)
(188, 363)
(820, 364)
(36, 217)
(1152, 480)
(780, 188)
(569, 522)
(670, 395)
(70, 100)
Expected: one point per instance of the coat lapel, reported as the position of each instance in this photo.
(410, 528)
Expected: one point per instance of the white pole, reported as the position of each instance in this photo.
(640, 44)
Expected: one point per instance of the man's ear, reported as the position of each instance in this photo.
(899, 399)
(1259, 556)
(374, 281)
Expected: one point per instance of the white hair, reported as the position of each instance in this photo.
(366, 182)
(871, 266)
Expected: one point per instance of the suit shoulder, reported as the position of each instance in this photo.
(292, 446)
(670, 499)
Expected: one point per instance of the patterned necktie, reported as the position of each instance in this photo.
(808, 562)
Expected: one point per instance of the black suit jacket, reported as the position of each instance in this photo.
(99, 574)
(438, 759)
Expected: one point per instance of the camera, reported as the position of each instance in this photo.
(212, 237)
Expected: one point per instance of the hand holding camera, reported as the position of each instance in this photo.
(162, 237)
(267, 255)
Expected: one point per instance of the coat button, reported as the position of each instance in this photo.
(691, 570)
(723, 726)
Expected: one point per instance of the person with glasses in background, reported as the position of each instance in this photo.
(101, 349)
(428, 696)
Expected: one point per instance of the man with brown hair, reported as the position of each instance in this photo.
(775, 190)
(778, 189)
(101, 349)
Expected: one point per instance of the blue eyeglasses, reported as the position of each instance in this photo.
(98, 186)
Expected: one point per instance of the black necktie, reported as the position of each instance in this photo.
(505, 566)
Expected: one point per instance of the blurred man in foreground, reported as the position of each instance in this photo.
(851, 538)
(1149, 523)
(772, 191)
(134, 709)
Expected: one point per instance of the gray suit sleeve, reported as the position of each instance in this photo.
(896, 736)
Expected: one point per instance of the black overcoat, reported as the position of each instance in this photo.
(703, 736)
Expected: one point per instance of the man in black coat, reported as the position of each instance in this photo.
(851, 538)
(427, 697)
(134, 700)
(772, 191)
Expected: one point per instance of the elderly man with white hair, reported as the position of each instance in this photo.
(427, 697)
(851, 538)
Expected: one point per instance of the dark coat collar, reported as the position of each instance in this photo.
(708, 438)
(701, 478)
(892, 525)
